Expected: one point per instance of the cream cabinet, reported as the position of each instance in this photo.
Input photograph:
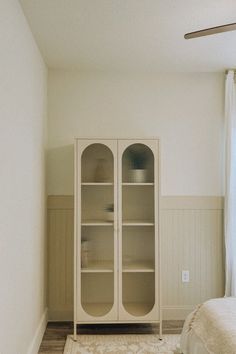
(116, 244)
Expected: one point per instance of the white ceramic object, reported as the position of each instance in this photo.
(138, 176)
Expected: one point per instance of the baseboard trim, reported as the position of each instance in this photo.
(176, 312)
(38, 336)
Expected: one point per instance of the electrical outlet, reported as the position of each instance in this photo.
(185, 276)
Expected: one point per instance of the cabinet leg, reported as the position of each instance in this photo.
(160, 330)
(75, 332)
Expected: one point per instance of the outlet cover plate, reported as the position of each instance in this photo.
(185, 276)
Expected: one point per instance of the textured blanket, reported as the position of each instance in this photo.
(214, 322)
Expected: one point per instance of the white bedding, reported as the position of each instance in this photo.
(190, 343)
(211, 328)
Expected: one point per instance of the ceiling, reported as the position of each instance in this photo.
(132, 35)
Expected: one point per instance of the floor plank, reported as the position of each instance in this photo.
(55, 335)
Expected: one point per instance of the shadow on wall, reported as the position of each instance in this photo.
(60, 170)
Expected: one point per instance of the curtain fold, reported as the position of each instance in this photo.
(230, 185)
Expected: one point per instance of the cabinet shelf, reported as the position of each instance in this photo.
(137, 184)
(98, 267)
(138, 267)
(97, 223)
(97, 184)
(137, 223)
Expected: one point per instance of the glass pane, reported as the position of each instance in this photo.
(97, 231)
(97, 164)
(138, 230)
(97, 293)
(138, 203)
(138, 164)
(138, 247)
(138, 293)
(97, 203)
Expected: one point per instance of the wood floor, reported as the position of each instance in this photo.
(55, 335)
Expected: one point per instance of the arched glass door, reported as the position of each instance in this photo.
(97, 237)
(137, 242)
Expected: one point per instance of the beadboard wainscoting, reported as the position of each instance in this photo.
(60, 257)
(191, 239)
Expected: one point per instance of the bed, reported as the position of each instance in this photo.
(211, 328)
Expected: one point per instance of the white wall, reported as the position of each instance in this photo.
(185, 110)
(23, 93)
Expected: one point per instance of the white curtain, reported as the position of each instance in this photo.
(230, 184)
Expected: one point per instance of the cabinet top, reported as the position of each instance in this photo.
(117, 138)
